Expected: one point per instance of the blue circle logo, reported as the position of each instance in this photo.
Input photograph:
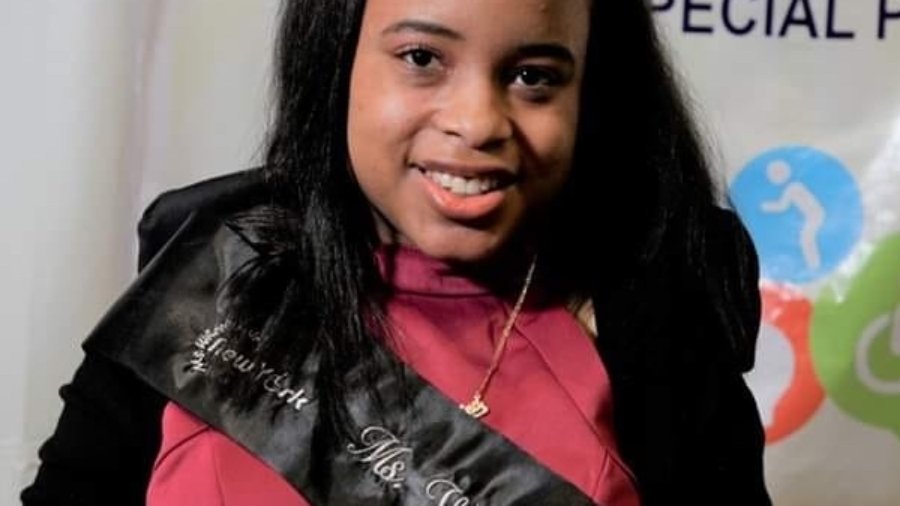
(803, 209)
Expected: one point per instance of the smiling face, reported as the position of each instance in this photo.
(463, 115)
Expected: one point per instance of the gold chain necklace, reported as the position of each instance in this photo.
(477, 408)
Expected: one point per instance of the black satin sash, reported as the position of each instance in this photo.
(168, 330)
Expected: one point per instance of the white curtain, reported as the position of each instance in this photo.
(103, 104)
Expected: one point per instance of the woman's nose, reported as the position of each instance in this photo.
(477, 113)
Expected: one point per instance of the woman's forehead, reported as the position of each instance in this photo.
(563, 20)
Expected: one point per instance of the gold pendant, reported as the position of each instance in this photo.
(476, 408)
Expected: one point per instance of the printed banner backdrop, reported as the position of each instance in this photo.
(802, 99)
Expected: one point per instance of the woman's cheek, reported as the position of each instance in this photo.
(552, 142)
(396, 114)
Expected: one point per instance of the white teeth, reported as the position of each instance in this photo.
(463, 185)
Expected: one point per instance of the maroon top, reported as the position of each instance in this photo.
(550, 395)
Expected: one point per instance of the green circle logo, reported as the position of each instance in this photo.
(856, 340)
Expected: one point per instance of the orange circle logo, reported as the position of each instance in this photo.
(784, 382)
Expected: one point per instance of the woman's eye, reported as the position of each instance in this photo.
(419, 57)
(535, 77)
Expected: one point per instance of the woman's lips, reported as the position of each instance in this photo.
(461, 198)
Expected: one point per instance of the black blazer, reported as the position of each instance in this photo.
(685, 421)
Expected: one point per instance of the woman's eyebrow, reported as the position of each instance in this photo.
(546, 50)
(414, 25)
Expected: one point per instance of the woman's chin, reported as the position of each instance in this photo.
(459, 248)
(449, 242)
(458, 254)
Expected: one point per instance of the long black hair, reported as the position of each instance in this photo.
(637, 202)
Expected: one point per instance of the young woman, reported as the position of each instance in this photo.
(482, 265)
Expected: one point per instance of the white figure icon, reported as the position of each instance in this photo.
(868, 377)
(773, 373)
(798, 195)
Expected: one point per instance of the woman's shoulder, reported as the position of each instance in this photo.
(729, 236)
(191, 246)
(210, 200)
(732, 275)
